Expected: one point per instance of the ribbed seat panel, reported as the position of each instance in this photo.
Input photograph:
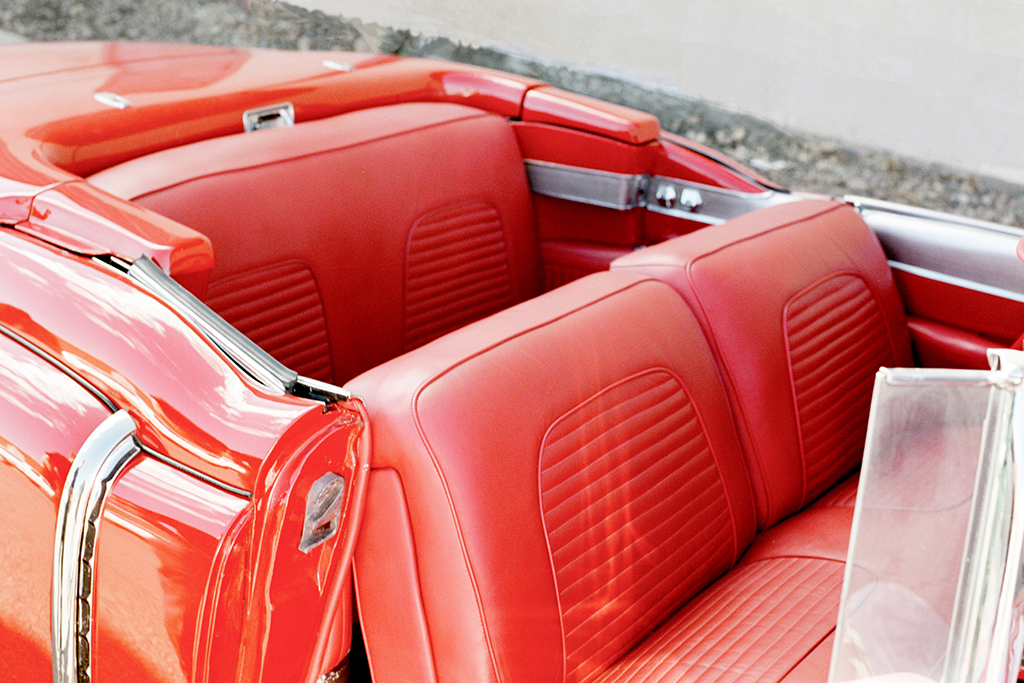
(456, 271)
(279, 308)
(636, 516)
(835, 349)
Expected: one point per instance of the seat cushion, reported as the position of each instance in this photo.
(757, 623)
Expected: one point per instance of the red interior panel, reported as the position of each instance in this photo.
(941, 346)
(999, 319)
(563, 262)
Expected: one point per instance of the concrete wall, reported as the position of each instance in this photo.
(940, 80)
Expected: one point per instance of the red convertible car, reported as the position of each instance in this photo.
(316, 358)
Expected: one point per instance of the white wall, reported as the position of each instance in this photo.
(940, 80)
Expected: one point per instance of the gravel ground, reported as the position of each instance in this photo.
(803, 162)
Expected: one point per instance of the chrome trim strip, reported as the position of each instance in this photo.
(964, 250)
(60, 365)
(102, 457)
(315, 390)
(192, 472)
(112, 100)
(253, 360)
(869, 204)
(619, 191)
(957, 281)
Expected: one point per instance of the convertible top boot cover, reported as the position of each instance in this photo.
(799, 306)
(346, 241)
(551, 484)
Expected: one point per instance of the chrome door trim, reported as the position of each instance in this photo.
(101, 459)
(716, 205)
(966, 252)
(239, 349)
(957, 281)
(256, 362)
(620, 191)
(623, 191)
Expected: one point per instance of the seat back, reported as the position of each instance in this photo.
(800, 307)
(549, 484)
(343, 242)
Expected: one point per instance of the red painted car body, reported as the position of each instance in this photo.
(108, 152)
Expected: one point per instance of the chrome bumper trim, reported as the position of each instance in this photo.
(101, 459)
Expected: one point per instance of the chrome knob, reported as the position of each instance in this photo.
(666, 195)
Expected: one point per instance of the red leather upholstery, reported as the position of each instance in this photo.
(555, 481)
(569, 475)
(799, 305)
(343, 242)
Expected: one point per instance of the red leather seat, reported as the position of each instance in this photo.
(346, 241)
(552, 483)
(800, 308)
(549, 485)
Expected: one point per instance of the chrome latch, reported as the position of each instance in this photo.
(275, 116)
(112, 100)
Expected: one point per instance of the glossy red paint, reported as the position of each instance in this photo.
(71, 134)
(44, 418)
(560, 145)
(157, 559)
(162, 553)
(682, 158)
(194, 406)
(553, 106)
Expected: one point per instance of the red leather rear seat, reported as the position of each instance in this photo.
(346, 241)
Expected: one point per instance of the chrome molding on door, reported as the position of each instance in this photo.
(965, 252)
(102, 457)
